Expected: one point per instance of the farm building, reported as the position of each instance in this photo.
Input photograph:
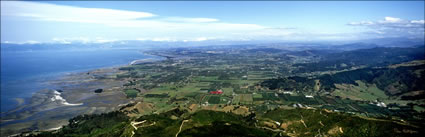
(216, 92)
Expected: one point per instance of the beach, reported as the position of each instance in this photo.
(50, 108)
(71, 93)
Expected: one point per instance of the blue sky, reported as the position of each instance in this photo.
(95, 21)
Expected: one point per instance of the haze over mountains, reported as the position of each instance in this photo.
(149, 44)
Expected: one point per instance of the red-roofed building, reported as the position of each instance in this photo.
(216, 92)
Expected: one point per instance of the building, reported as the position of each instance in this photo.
(216, 92)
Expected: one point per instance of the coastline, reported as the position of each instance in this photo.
(44, 80)
(77, 97)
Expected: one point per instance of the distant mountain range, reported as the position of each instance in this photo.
(149, 44)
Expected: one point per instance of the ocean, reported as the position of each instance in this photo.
(26, 72)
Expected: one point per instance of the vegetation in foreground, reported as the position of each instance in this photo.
(277, 122)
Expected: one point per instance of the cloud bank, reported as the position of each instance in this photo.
(394, 27)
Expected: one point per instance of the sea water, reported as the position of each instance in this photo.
(26, 72)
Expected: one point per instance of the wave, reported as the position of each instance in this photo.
(53, 129)
(57, 98)
(140, 61)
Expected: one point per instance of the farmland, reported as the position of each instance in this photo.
(258, 78)
(272, 87)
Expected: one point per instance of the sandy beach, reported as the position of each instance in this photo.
(49, 109)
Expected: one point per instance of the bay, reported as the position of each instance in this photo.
(26, 72)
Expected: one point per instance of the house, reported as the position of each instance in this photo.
(216, 92)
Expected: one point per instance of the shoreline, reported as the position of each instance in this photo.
(76, 98)
(46, 79)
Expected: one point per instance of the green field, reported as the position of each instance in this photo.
(363, 91)
(131, 93)
(242, 99)
(214, 99)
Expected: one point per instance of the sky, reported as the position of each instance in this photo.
(105, 21)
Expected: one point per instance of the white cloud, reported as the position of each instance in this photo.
(71, 40)
(52, 12)
(32, 42)
(83, 40)
(362, 23)
(191, 20)
(392, 19)
(160, 28)
(173, 39)
(201, 39)
(391, 22)
(22, 42)
(164, 39)
(62, 41)
(113, 18)
(418, 21)
(393, 27)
